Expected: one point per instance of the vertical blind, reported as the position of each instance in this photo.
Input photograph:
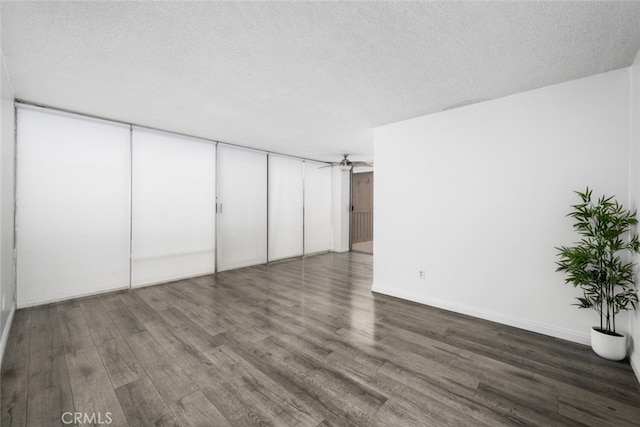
(242, 207)
(173, 207)
(285, 207)
(104, 206)
(72, 218)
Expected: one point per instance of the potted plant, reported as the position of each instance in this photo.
(598, 264)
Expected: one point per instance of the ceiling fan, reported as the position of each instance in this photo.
(345, 164)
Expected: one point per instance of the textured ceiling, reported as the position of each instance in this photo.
(304, 78)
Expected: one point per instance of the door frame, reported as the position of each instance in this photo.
(351, 207)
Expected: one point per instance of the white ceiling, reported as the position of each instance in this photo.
(305, 78)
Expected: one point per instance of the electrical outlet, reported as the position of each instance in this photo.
(421, 274)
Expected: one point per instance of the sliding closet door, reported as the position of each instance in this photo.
(285, 207)
(317, 208)
(173, 202)
(73, 183)
(242, 208)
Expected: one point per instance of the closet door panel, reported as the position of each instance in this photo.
(242, 208)
(173, 201)
(73, 213)
(285, 207)
(317, 208)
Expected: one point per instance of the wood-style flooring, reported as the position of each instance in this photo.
(363, 247)
(302, 342)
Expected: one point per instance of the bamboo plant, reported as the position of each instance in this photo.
(598, 263)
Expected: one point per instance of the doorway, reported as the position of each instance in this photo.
(362, 212)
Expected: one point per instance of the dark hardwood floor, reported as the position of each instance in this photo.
(302, 342)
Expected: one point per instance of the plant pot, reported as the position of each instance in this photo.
(612, 347)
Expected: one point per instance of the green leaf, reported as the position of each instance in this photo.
(599, 262)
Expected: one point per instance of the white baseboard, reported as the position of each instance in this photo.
(340, 250)
(310, 254)
(505, 319)
(70, 297)
(5, 332)
(634, 360)
(171, 279)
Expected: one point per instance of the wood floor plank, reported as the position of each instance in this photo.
(419, 390)
(597, 415)
(348, 398)
(98, 320)
(171, 381)
(442, 375)
(76, 335)
(299, 342)
(185, 354)
(289, 379)
(278, 403)
(49, 393)
(120, 363)
(514, 378)
(137, 305)
(143, 405)
(228, 399)
(396, 412)
(14, 376)
(195, 410)
(520, 411)
(46, 340)
(49, 390)
(594, 383)
(125, 320)
(14, 413)
(93, 393)
(203, 340)
(21, 321)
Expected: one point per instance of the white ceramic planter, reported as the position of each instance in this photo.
(608, 346)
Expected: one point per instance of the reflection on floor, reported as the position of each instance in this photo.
(364, 247)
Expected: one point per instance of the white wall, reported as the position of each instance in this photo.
(7, 287)
(634, 191)
(477, 197)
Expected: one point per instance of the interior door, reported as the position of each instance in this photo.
(362, 212)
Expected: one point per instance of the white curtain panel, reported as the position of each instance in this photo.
(73, 186)
(317, 208)
(285, 207)
(173, 207)
(242, 208)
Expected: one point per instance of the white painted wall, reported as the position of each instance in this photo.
(340, 203)
(7, 283)
(634, 192)
(477, 197)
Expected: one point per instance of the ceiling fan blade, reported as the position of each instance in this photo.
(347, 164)
(328, 166)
